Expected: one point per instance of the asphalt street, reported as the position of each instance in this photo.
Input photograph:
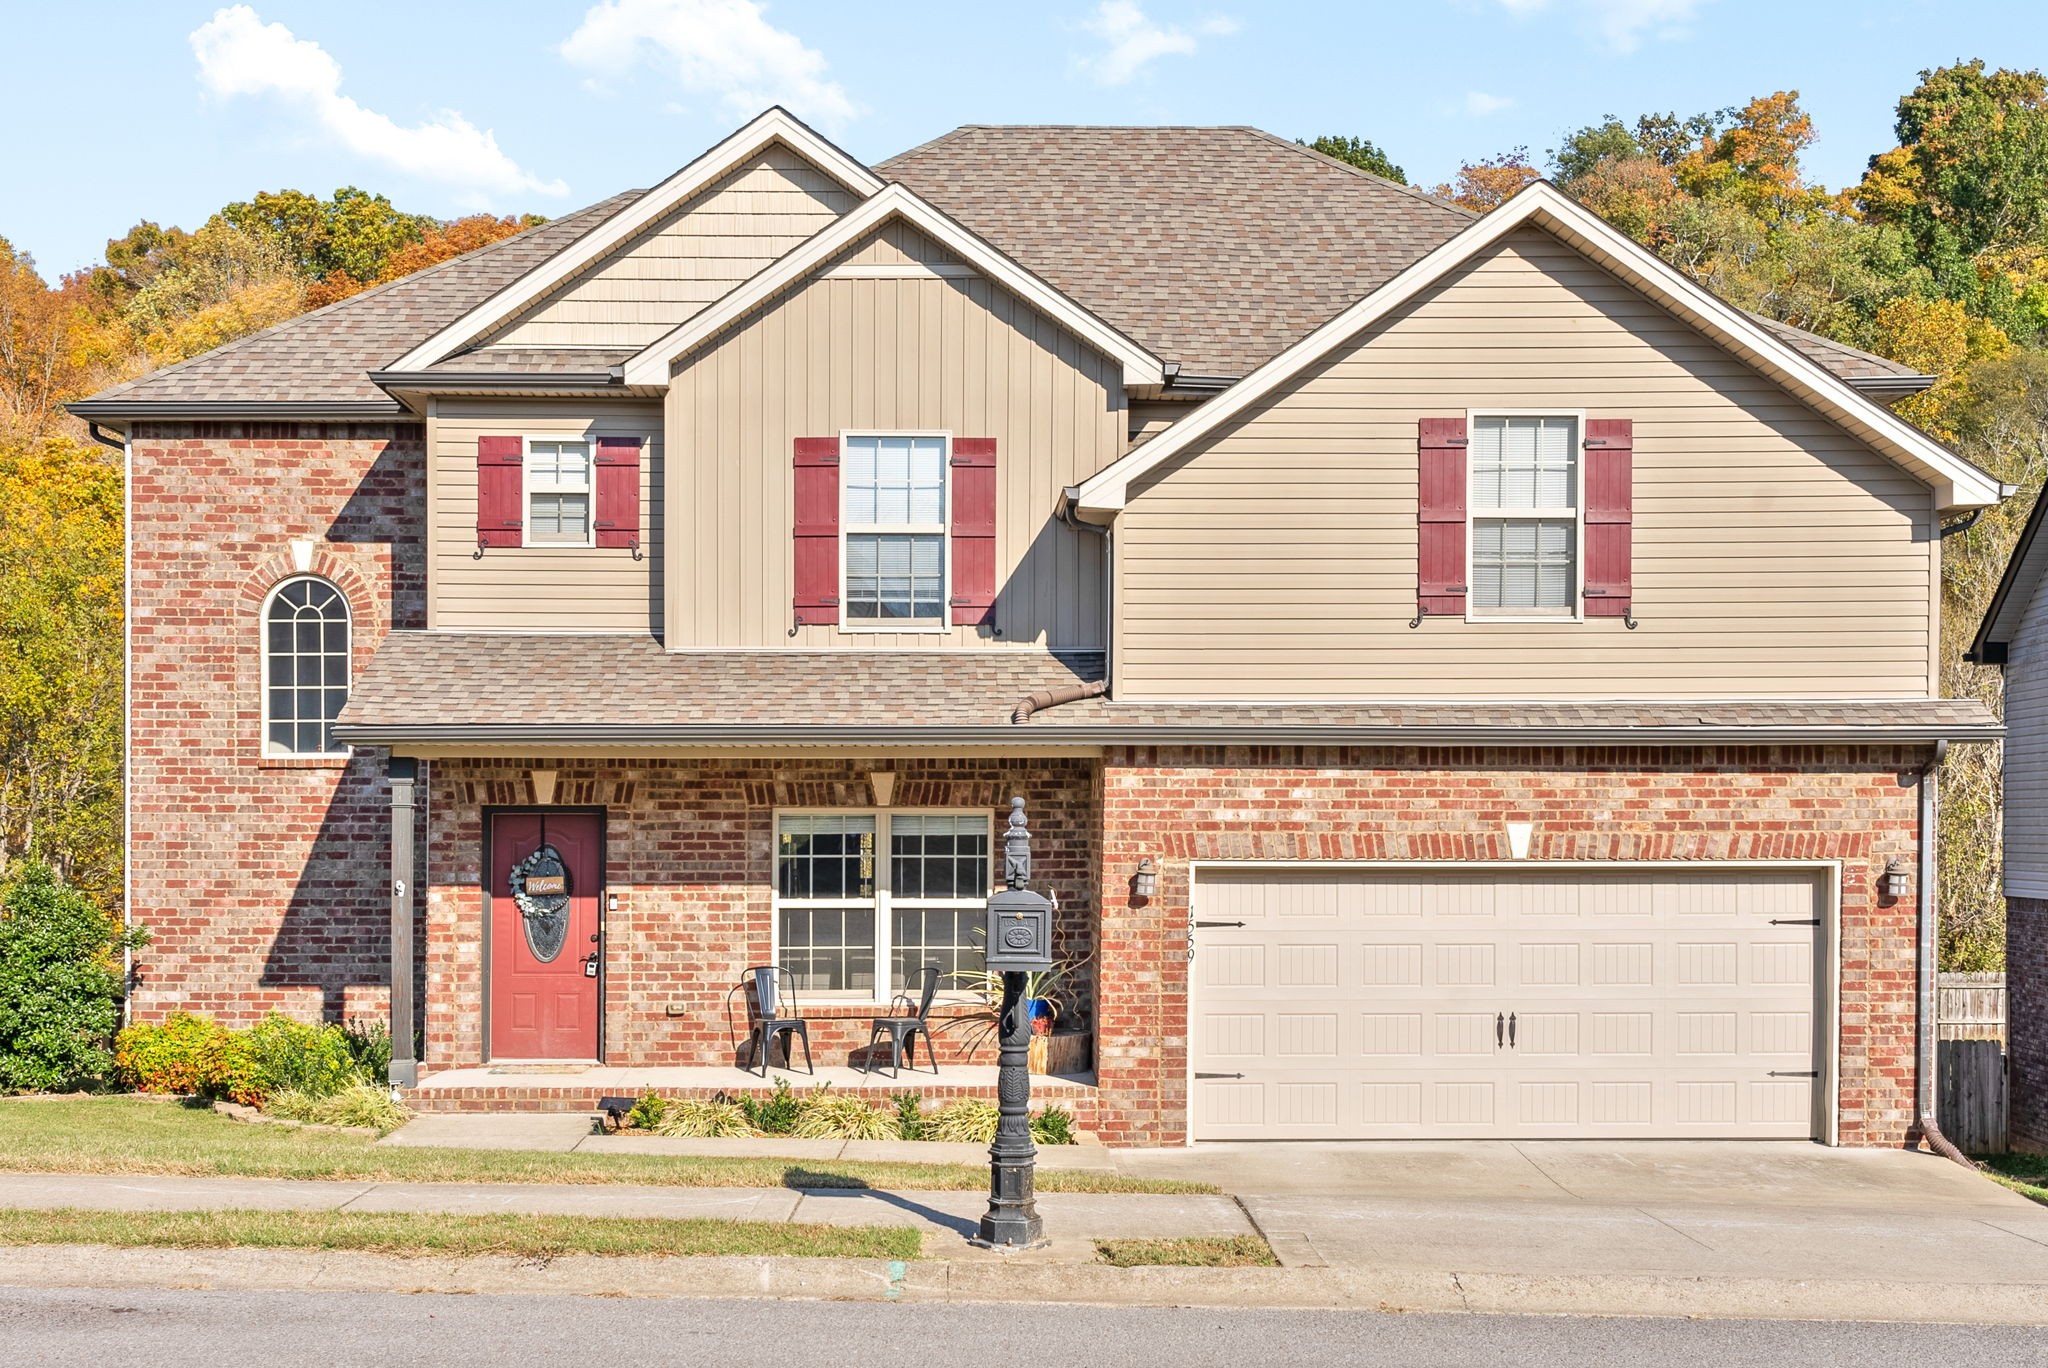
(91, 1328)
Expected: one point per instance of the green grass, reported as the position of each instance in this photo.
(2026, 1174)
(417, 1235)
(131, 1135)
(1234, 1251)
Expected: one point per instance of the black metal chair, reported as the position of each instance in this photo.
(904, 1031)
(765, 1021)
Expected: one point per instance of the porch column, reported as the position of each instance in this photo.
(405, 1067)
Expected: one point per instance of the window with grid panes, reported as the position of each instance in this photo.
(306, 667)
(558, 493)
(893, 492)
(1525, 516)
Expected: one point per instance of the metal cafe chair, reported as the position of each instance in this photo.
(904, 1031)
(765, 1021)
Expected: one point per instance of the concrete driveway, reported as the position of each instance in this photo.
(1721, 1210)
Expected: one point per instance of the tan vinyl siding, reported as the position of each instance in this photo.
(896, 354)
(663, 275)
(2026, 754)
(538, 588)
(1774, 555)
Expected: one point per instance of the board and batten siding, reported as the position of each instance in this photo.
(2026, 753)
(661, 276)
(537, 588)
(1774, 556)
(886, 353)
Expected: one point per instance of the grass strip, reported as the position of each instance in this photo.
(131, 1135)
(419, 1236)
(2026, 1174)
(1232, 1251)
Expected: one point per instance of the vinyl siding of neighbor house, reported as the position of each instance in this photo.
(882, 353)
(2026, 753)
(723, 235)
(1774, 556)
(537, 588)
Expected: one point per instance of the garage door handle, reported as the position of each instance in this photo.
(1215, 1075)
(1511, 1030)
(1200, 924)
(1795, 1073)
(1499, 1029)
(1795, 921)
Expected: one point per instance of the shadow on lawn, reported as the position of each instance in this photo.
(825, 1184)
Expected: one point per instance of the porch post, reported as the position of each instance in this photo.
(405, 1067)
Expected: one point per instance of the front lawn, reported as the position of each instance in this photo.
(131, 1135)
(2026, 1174)
(419, 1235)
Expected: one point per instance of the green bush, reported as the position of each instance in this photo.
(699, 1119)
(60, 984)
(188, 1055)
(777, 1115)
(291, 1056)
(369, 1047)
(647, 1112)
(909, 1114)
(359, 1104)
(1054, 1126)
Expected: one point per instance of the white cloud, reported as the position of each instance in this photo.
(239, 54)
(1621, 25)
(1132, 40)
(1479, 104)
(722, 48)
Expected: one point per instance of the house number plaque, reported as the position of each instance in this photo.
(540, 886)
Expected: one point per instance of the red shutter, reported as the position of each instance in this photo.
(1610, 511)
(1440, 530)
(815, 580)
(500, 491)
(618, 491)
(973, 470)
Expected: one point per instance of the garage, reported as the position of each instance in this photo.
(1455, 1003)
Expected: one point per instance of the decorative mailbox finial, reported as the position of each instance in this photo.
(1017, 848)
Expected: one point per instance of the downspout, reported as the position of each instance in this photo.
(1926, 1124)
(1066, 516)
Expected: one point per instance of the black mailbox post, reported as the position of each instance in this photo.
(1019, 944)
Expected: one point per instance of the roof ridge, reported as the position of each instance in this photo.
(424, 272)
(1411, 190)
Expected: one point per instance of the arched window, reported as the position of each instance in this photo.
(305, 667)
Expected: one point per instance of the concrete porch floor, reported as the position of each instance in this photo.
(621, 1079)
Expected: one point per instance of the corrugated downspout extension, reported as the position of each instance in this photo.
(1926, 1124)
(1053, 697)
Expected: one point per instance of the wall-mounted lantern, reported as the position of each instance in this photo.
(1145, 883)
(1892, 883)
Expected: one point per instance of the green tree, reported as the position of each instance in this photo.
(1362, 153)
(60, 983)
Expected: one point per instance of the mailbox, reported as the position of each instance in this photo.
(1019, 932)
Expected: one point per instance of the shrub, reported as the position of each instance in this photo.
(647, 1112)
(702, 1119)
(824, 1116)
(1054, 1126)
(777, 1115)
(965, 1120)
(369, 1049)
(292, 1056)
(189, 1054)
(359, 1104)
(60, 984)
(909, 1114)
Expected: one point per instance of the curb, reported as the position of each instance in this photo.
(1001, 1280)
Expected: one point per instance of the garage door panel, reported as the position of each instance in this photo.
(1364, 1004)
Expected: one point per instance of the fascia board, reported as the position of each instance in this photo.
(650, 366)
(775, 125)
(1959, 484)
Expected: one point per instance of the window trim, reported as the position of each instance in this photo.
(919, 626)
(885, 901)
(526, 491)
(1577, 615)
(269, 750)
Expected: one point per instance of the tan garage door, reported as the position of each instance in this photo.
(1352, 1004)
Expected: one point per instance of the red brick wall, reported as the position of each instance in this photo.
(1291, 803)
(261, 881)
(2026, 1021)
(690, 854)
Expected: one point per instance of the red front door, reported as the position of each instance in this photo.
(544, 952)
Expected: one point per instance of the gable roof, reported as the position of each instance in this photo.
(651, 365)
(1957, 483)
(775, 125)
(1214, 247)
(2016, 590)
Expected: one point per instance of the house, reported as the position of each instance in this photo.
(1465, 679)
(2011, 637)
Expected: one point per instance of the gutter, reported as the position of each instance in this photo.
(429, 380)
(339, 411)
(1926, 1021)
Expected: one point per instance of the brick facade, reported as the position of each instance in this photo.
(261, 880)
(2026, 1023)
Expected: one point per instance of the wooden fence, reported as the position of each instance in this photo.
(1970, 1060)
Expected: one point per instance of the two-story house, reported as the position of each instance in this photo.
(1466, 680)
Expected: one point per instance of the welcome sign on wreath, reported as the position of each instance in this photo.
(540, 886)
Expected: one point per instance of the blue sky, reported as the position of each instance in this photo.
(166, 111)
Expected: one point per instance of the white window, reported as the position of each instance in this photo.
(305, 667)
(864, 900)
(557, 493)
(1525, 516)
(893, 519)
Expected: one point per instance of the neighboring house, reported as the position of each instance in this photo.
(2014, 637)
(1515, 666)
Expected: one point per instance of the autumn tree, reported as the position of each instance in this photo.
(1362, 153)
(1484, 186)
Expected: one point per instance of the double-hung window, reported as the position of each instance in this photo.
(894, 522)
(864, 900)
(558, 493)
(1525, 516)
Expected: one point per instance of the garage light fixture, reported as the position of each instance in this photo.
(1892, 884)
(1145, 883)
